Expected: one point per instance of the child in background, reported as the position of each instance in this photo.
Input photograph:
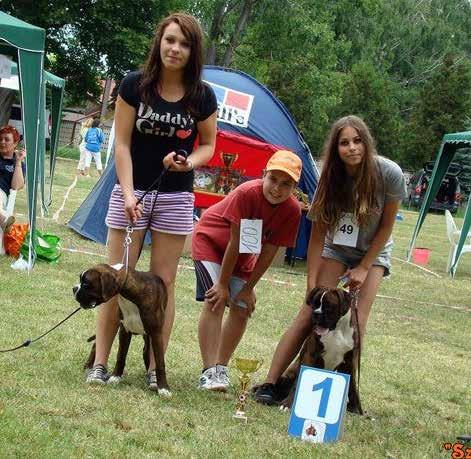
(93, 140)
(83, 152)
(227, 277)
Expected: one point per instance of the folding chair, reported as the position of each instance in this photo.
(453, 234)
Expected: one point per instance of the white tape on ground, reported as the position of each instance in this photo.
(66, 249)
(417, 266)
(71, 187)
(449, 306)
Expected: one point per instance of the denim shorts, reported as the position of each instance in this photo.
(351, 257)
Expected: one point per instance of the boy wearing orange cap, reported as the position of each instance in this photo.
(233, 245)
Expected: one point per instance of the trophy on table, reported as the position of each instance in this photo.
(226, 175)
(245, 367)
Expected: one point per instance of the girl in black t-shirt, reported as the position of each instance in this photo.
(159, 110)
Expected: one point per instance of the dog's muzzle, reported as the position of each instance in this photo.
(83, 304)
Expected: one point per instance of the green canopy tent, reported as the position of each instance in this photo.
(56, 86)
(25, 44)
(450, 143)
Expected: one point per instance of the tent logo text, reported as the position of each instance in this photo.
(233, 106)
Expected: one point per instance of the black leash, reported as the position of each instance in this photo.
(30, 341)
(354, 306)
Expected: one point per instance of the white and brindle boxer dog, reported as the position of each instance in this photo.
(142, 301)
(333, 344)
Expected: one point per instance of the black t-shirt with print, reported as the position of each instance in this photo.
(160, 128)
(7, 168)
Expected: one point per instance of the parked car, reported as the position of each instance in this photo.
(449, 194)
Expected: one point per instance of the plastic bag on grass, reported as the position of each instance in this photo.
(46, 246)
(13, 240)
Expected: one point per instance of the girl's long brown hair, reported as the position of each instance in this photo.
(333, 196)
(192, 73)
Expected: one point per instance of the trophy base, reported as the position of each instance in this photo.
(240, 415)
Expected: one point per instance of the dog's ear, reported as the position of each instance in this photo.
(345, 299)
(313, 297)
(109, 285)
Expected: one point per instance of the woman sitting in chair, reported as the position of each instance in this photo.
(12, 171)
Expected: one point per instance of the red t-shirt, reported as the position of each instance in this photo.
(212, 233)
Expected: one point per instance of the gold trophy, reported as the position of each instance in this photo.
(225, 176)
(245, 367)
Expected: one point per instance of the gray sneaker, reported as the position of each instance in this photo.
(209, 380)
(97, 375)
(222, 373)
(151, 380)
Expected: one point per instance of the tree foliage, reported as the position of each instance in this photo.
(403, 65)
(442, 106)
(87, 40)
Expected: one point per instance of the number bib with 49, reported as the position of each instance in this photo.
(347, 231)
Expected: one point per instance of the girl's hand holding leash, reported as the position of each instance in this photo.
(133, 211)
(354, 278)
(177, 162)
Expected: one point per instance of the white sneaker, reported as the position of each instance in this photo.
(222, 373)
(209, 380)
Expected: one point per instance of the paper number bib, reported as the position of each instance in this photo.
(347, 232)
(250, 236)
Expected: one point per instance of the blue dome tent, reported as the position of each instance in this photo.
(245, 107)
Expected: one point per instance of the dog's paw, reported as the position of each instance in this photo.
(113, 379)
(165, 393)
(284, 408)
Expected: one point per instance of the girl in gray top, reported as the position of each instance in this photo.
(353, 214)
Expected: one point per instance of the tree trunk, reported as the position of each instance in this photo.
(7, 97)
(238, 31)
(215, 31)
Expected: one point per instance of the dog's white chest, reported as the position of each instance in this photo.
(337, 342)
(131, 318)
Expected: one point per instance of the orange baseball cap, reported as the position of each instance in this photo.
(286, 161)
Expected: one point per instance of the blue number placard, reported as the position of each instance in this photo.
(319, 405)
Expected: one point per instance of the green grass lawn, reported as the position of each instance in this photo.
(414, 377)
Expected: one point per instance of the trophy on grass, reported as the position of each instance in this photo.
(245, 367)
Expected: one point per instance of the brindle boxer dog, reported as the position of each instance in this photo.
(333, 344)
(142, 302)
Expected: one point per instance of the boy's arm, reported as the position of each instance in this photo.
(218, 294)
(246, 295)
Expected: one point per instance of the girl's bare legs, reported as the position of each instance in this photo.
(209, 333)
(165, 255)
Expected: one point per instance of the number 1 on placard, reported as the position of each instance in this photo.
(325, 386)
